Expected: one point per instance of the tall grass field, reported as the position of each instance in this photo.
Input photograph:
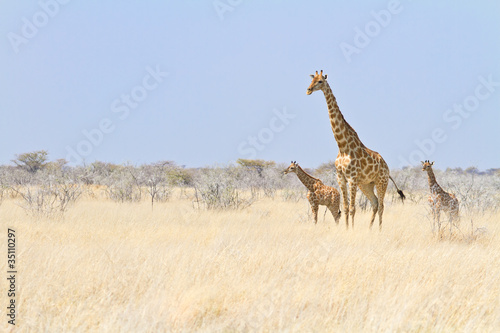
(106, 266)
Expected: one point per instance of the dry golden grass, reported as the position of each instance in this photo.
(125, 268)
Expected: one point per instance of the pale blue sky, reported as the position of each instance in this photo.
(208, 82)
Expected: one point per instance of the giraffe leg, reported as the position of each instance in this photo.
(455, 213)
(432, 204)
(315, 207)
(381, 188)
(343, 188)
(367, 190)
(454, 219)
(353, 188)
(437, 219)
(433, 211)
(450, 222)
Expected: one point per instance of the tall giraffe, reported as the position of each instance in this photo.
(357, 165)
(439, 199)
(318, 193)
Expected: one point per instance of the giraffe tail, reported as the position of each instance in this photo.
(401, 194)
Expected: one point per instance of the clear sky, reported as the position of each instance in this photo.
(208, 82)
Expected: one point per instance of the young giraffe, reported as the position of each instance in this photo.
(357, 166)
(439, 199)
(319, 193)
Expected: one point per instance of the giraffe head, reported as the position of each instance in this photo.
(427, 165)
(318, 82)
(292, 168)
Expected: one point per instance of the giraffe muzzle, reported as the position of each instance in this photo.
(309, 91)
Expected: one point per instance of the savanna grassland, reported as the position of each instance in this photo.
(127, 267)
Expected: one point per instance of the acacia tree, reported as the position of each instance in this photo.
(215, 188)
(154, 177)
(46, 188)
(258, 165)
(32, 162)
(123, 185)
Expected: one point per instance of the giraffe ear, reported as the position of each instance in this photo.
(422, 162)
(326, 76)
(312, 76)
(432, 163)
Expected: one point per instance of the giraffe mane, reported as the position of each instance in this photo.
(304, 171)
(347, 125)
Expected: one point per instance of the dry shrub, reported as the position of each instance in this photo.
(215, 188)
(50, 198)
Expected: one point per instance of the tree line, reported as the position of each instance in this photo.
(48, 187)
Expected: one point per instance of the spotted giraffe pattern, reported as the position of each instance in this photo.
(318, 193)
(439, 199)
(357, 165)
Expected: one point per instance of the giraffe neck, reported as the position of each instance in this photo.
(346, 137)
(433, 184)
(306, 178)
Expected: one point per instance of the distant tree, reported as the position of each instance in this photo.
(32, 162)
(180, 176)
(57, 166)
(472, 170)
(327, 172)
(104, 168)
(457, 170)
(493, 171)
(258, 165)
(216, 188)
(154, 178)
(326, 167)
(123, 185)
(97, 172)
